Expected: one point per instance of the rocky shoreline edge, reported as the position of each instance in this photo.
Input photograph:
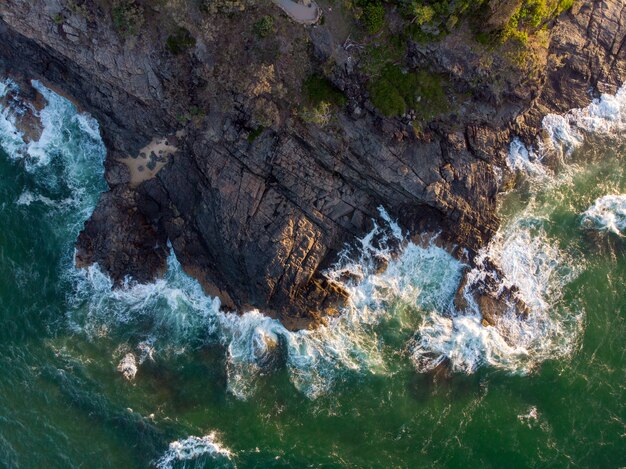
(257, 218)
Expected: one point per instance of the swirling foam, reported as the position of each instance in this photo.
(605, 116)
(192, 449)
(180, 316)
(607, 214)
(410, 302)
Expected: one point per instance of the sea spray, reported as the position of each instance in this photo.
(539, 270)
(195, 449)
(607, 214)
(400, 294)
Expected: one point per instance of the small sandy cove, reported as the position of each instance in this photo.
(305, 13)
(149, 161)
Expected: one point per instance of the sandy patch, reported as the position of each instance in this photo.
(305, 13)
(149, 161)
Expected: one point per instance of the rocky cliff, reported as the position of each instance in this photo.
(209, 150)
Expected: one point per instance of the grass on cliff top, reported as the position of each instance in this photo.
(395, 92)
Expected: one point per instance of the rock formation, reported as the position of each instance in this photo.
(256, 201)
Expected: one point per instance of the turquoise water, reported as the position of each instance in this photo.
(211, 390)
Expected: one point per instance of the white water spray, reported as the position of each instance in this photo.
(192, 449)
(607, 214)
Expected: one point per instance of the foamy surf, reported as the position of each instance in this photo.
(180, 315)
(607, 214)
(412, 299)
(534, 264)
(604, 117)
(406, 306)
(11, 139)
(66, 161)
(194, 448)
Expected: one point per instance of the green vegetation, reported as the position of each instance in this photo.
(127, 17)
(254, 134)
(318, 89)
(180, 41)
(427, 20)
(378, 55)
(228, 7)
(80, 8)
(58, 18)
(422, 14)
(395, 92)
(264, 27)
(373, 17)
(531, 16)
(322, 98)
(193, 114)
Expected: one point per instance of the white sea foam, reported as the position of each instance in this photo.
(11, 139)
(607, 214)
(530, 418)
(526, 160)
(605, 116)
(128, 366)
(66, 162)
(192, 449)
(531, 262)
(410, 299)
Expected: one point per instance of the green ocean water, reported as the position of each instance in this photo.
(552, 394)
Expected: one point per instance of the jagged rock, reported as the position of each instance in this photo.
(500, 12)
(256, 222)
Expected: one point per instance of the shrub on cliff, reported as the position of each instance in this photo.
(318, 89)
(395, 92)
(373, 17)
(322, 99)
(533, 15)
(264, 27)
(127, 17)
(180, 41)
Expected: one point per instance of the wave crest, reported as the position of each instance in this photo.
(607, 214)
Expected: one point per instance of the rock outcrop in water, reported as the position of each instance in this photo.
(258, 199)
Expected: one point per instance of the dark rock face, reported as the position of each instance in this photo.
(256, 220)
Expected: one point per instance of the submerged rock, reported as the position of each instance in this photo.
(128, 366)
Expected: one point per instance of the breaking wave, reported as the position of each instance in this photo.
(605, 117)
(194, 449)
(607, 214)
(66, 162)
(532, 263)
(398, 303)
